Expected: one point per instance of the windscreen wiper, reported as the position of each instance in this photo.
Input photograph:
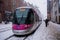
(20, 20)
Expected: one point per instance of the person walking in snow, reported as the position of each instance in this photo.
(46, 22)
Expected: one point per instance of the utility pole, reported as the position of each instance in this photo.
(14, 5)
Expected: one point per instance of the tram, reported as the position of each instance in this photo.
(25, 20)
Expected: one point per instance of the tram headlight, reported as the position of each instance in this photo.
(26, 25)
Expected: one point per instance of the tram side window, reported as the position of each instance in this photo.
(30, 18)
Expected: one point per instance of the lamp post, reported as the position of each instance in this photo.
(14, 5)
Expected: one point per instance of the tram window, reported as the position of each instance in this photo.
(23, 17)
(30, 18)
(20, 16)
(20, 13)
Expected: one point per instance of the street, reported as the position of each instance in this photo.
(42, 33)
(40, 19)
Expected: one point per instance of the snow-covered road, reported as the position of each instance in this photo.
(42, 33)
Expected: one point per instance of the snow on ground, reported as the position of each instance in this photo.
(54, 29)
(52, 32)
(46, 33)
(55, 26)
(5, 27)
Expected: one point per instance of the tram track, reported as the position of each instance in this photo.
(5, 29)
(23, 36)
(18, 37)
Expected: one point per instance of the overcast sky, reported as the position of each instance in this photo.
(42, 4)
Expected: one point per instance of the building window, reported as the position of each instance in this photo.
(59, 1)
(55, 12)
(1, 5)
(59, 9)
(56, 18)
(59, 19)
(54, 0)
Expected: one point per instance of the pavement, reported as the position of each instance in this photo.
(5, 27)
(51, 32)
(54, 29)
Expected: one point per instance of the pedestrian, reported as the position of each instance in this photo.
(46, 22)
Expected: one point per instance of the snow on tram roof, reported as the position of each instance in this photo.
(24, 7)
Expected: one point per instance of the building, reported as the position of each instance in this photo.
(49, 9)
(55, 11)
(1, 10)
(10, 6)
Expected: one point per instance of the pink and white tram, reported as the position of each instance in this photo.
(25, 21)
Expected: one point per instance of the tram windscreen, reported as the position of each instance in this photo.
(23, 16)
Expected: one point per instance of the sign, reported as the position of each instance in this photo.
(22, 9)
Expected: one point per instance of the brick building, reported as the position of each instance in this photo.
(1, 10)
(49, 9)
(55, 11)
(10, 6)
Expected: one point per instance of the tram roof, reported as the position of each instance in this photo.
(24, 7)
